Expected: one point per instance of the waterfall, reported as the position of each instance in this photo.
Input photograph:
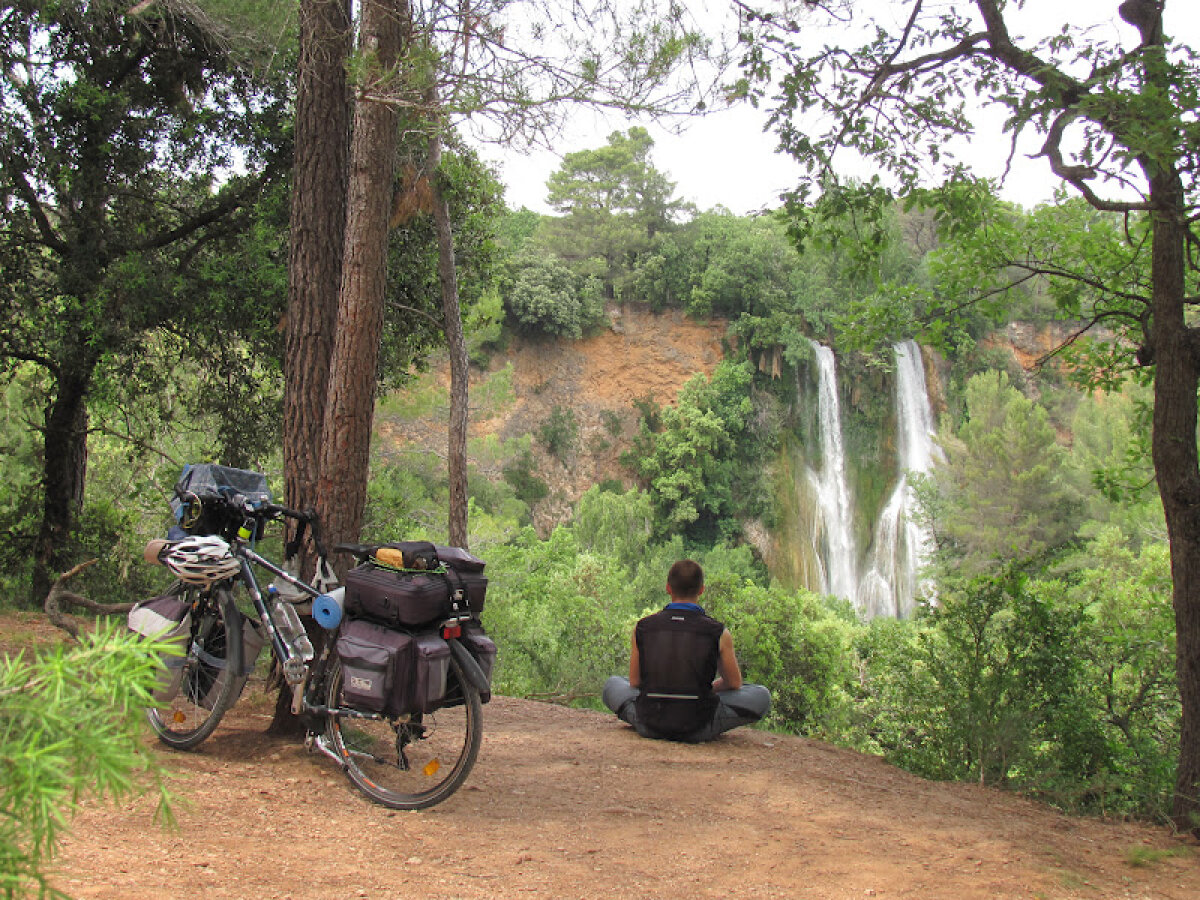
(901, 544)
(836, 544)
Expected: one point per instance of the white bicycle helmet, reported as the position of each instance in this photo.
(201, 560)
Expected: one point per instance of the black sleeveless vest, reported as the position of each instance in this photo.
(678, 650)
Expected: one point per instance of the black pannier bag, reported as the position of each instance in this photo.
(377, 666)
(432, 658)
(398, 599)
(483, 648)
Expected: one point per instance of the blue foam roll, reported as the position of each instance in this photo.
(327, 609)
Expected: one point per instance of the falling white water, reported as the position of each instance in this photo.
(901, 544)
(833, 496)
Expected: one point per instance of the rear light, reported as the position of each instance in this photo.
(451, 631)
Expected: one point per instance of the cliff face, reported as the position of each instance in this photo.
(639, 356)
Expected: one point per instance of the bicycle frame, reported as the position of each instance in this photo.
(250, 558)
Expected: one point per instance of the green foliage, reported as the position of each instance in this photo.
(614, 524)
(614, 205)
(71, 726)
(1109, 463)
(794, 645)
(565, 621)
(1003, 494)
(413, 321)
(995, 664)
(403, 500)
(1128, 645)
(19, 487)
(559, 434)
(520, 473)
(612, 422)
(699, 468)
(546, 297)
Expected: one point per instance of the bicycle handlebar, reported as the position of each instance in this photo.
(307, 518)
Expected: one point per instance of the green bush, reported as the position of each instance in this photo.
(559, 434)
(548, 298)
(519, 473)
(72, 727)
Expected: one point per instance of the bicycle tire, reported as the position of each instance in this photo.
(208, 687)
(410, 762)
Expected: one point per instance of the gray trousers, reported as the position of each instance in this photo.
(746, 705)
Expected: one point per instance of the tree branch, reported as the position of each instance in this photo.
(59, 595)
(29, 197)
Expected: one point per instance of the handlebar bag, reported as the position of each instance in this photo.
(397, 599)
(377, 667)
(205, 494)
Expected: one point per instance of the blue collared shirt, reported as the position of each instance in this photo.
(680, 605)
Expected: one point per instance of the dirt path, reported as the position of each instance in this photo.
(572, 804)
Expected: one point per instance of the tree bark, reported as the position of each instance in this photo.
(318, 220)
(350, 401)
(456, 457)
(64, 473)
(1177, 467)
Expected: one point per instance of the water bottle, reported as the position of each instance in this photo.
(291, 629)
(327, 608)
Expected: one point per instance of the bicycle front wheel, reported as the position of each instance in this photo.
(207, 688)
(409, 762)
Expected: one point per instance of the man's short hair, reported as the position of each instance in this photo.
(686, 578)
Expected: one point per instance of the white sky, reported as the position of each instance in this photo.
(725, 158)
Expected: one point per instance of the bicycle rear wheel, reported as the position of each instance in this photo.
(209, 684)
(410, 762)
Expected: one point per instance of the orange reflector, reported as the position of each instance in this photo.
(179, 716)
(431, 767)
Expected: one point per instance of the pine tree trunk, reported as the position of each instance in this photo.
(318, 220)
(350, 402)
(456, 458)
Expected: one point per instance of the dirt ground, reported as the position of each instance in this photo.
(567, 803)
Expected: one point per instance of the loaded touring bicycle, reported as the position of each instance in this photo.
(394, 694)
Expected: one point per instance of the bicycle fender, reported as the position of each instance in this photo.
(469, 666)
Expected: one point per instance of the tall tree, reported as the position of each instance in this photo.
(1114, 121)
(318, 219)
(1004, 492)
(118, 133)
(350, 399)
(456, 438)
(614, 202)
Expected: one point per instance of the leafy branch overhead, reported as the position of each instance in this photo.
(905, 97)
(511, 69)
